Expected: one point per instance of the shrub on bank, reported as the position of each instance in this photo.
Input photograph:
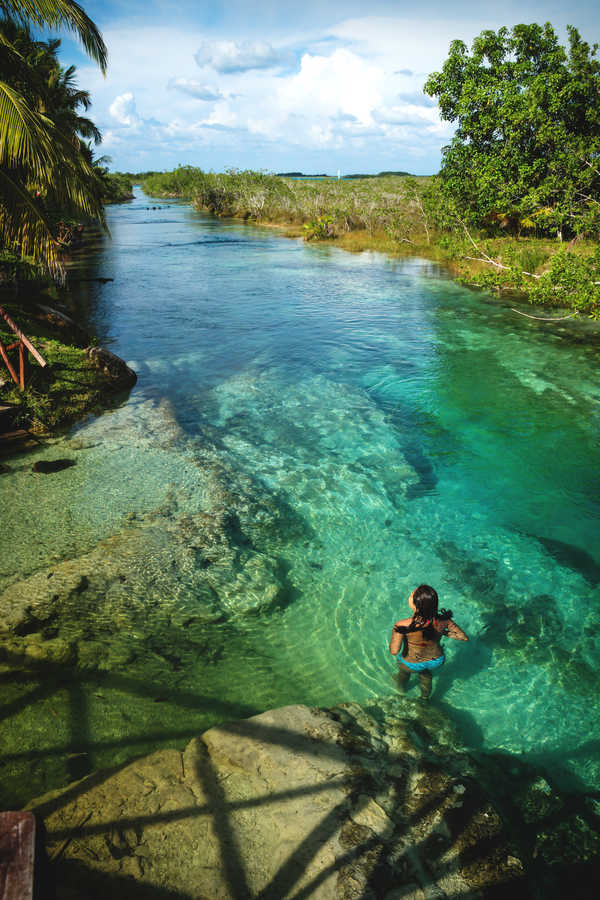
(117, 187)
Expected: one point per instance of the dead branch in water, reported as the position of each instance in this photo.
(484, 258)
(542, 318)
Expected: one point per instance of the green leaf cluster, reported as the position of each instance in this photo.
(319, 229)
(525, 156)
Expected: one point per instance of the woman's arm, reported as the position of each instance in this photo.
(455, 632)
(397, 636)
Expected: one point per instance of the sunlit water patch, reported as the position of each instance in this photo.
(313, 434)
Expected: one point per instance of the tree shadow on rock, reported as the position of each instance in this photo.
(73, 880)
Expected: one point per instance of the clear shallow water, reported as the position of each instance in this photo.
(313, 433)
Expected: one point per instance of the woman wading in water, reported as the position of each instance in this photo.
(419, 639)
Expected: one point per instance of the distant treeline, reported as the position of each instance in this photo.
(357, 175)
(303, 175)
(138, 177)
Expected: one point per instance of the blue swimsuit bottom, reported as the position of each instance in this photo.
(426, 665)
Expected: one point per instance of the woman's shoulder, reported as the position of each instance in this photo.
(403, 623)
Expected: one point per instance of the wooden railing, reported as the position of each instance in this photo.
(24, 345)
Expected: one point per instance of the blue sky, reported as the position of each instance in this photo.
(310, 86)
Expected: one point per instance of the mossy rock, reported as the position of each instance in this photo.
(537, 801)
(571, 841)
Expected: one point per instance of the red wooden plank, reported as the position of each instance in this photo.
(8, 363)
(17, 846)
(22, 365)
(25, 340)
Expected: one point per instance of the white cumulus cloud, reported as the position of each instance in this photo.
(230, 57)
(409, 114)
(340, 84)
(356, 88)
(123, 110)
(195, 89)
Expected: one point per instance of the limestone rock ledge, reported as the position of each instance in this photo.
(339, 804)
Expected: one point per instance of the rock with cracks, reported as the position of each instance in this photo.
(341, 804)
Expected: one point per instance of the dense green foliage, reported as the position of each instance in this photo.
(15, 268)
(180, 183)
(46, 165)
(526, 152)
(116, 187)
(569, 280)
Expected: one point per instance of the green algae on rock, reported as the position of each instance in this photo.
(167, 570)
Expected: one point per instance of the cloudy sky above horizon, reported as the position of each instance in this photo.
(313, 87)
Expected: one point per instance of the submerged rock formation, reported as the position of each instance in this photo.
(346, 803)
(136, 585)
(112, 367)
(144, 598)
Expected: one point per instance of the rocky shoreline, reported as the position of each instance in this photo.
(351, 802)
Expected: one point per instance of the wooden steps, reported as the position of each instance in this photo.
(13, 440)
(6, 410)
(17, 849)
(16, 440)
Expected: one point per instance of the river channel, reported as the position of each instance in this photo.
(313, 434)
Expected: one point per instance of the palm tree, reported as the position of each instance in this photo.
(39, 162)
(64, 101)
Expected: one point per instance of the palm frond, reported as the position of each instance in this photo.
(24, 226)
(42, 164)
(60, 14)
(25, 135)
(87, 129)
(31, 139)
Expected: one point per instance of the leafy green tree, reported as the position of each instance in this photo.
(526, 149)
(41, 160)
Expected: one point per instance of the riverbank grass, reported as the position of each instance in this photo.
(70, 386)
(399, 215)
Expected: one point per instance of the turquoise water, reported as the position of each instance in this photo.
(313, 434)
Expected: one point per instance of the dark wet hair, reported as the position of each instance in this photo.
(426, 602)
(426, 611)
